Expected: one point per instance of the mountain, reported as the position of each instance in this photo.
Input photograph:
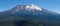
(27, 12)
(29, 8)
(32, 10)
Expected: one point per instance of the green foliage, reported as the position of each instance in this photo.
(34, 23)
(6, 24)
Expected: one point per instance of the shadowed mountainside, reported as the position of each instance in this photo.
(22, 15)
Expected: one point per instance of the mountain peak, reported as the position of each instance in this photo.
(25, 7)
(32, 6)
(29, 7)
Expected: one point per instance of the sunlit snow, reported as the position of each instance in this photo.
(28, 7)
(33, 7)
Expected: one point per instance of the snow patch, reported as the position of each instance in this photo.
(33, 7)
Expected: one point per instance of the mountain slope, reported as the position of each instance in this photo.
(27, 12)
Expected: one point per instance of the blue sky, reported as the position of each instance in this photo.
(53, 5)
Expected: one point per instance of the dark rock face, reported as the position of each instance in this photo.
(27, 23)
(21, 23)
